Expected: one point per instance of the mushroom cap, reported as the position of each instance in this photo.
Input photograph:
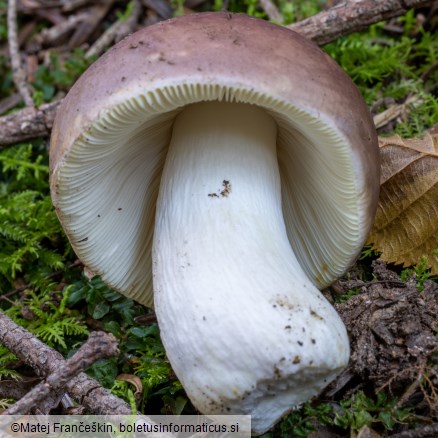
(112, 130)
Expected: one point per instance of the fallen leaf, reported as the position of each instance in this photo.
(133, 380)
(406, 224)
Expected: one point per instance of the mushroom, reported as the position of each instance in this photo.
(224, 168)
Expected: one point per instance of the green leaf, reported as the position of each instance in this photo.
(76, 294)
(387, 420)
(142, 332)
(125, 309)
(114, 328)
(99, 310)
(105, 371)
(362, 418)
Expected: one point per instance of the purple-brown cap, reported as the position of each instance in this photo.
(120, 112)
(270, 156)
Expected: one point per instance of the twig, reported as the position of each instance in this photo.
(115, 32)
(429, 431)
(16, 389)
(349, 17)
(71, 5)
(104, 40)
(27, 123)
(271, 10)
(100, 345)
(395, 111)
(93, 16)
(161, 7)
(17, 70)
(410, 391)
(130, 23)
(58, 32)
(44, 360)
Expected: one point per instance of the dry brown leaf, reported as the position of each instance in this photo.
(406, 224)
(133, 380)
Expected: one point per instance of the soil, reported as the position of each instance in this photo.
(392, 328)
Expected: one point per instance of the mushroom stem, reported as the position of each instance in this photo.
(245, 330)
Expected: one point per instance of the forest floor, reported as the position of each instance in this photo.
(390, 388)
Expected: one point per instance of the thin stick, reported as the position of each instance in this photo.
(349, 17)
(271, 10)
(395, 111)
(116, 31)
(44, 360)
(100, 345)
(104, 40)
(27, 123)
(18, 73)
(429, 431)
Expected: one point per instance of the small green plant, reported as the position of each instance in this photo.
(104, 304)
(249, 7)
(347, 295)
(253, 9)
(368, 252)
(421, 272)
(6, 359)
(359, 411)
(150, 362)
(299, 10)
(218, 5)
(58, 75)
(123, 16)
(45, 314)
(178, 7)
(421, 116)
(303, 421)
(142, 345)
(123, 390)
(111, 311)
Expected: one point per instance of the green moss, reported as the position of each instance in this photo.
(422, 116)
(395, 68)
(421, 273)
(299, 10)
(32, 244)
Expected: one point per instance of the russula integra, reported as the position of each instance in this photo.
(224, 168)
